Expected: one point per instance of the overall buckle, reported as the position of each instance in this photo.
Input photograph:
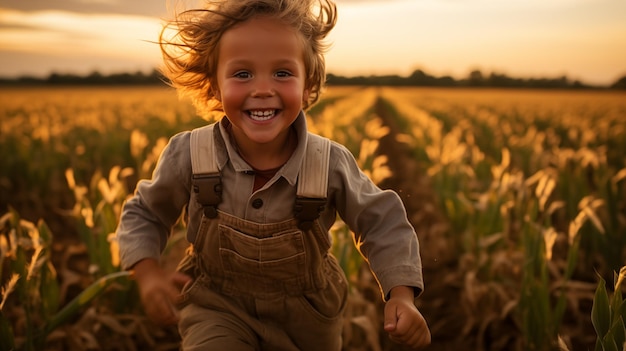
(307, 210)
(208, 189)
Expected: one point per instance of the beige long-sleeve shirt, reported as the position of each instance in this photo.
(376, 217)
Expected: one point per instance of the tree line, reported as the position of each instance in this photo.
(418, 78)
(475, 79)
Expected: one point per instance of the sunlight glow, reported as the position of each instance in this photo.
(535, 38)
(66, 34)
(583, 39)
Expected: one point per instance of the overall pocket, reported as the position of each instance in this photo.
(279, 258)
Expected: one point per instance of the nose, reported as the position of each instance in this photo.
(263, 87)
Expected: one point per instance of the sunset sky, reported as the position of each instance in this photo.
(583, 39)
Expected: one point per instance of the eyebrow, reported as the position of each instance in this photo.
(242, 61)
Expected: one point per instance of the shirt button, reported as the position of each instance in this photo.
(257, 203)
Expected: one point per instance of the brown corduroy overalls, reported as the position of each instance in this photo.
(261, 286)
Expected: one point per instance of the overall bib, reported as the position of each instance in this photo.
(261, 286)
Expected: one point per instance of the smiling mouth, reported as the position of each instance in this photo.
(262, 115)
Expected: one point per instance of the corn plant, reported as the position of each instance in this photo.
(510, 178)
(609, 315)
(542, 307)
(97, 210)
(531, 185)
(30, 297)
(31, 294)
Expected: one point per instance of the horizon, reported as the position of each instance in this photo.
(147, 73)
(582, 40)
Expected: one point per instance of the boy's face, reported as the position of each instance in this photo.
(261, 79)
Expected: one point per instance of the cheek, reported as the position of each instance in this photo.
(296, 95)
(230, 93)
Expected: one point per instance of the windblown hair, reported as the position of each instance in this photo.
(190, 43)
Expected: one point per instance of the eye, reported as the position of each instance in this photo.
(283, 74)
(242, 75)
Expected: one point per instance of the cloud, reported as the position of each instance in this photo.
(530, 37)
(146, 8)
(68, 36)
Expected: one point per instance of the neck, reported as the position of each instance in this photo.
(266, 156)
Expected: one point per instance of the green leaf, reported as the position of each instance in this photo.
(80, 301)
(621, 311)
(44, 233)
(600, 313)
(608, 342)
(6, 334)
(50, 292)
(619, 332)
(598, 345)
(616, 306)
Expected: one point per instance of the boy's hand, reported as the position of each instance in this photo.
(159, 291)
(404, 323)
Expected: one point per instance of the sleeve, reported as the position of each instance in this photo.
(150, 214)
(382, 231)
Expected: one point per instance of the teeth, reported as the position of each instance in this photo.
(262, 115)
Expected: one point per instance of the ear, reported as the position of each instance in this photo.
(214, 89)
(216, 93)
(305, 95)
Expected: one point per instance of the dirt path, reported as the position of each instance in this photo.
(438, 303)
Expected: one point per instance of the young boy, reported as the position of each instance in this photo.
(260, 193)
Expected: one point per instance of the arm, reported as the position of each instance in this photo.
(379, 222)
(146, 222)
(159, 290)
(149, 215)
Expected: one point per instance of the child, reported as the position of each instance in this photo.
(260, 193)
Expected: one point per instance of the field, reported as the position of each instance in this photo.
(518, 198)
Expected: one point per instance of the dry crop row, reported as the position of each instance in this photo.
(531, 185)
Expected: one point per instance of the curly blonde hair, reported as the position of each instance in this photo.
(190, 43)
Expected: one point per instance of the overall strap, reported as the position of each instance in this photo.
(206, 179)
(312, 188)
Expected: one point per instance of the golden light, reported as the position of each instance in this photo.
(66, 34)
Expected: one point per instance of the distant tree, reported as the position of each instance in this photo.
(476, 79)
(419, 77)
(549, 83)
(619, 84)
(446, 81)
(502, 80)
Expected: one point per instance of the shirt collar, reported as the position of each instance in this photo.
(226, 150)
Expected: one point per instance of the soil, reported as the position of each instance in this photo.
(409, 180)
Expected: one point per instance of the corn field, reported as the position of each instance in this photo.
(518, 198)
